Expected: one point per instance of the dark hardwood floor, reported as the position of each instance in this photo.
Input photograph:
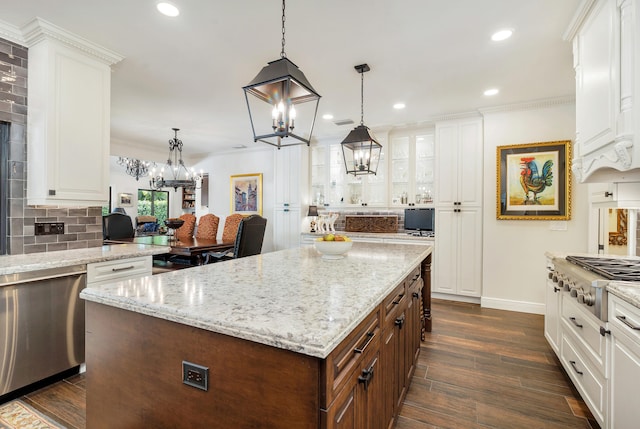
(479, 368)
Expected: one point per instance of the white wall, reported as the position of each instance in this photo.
(513, 251)
(222, 167)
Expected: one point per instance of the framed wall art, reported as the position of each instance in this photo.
(125, 200)
(534, 181)
(246, 194)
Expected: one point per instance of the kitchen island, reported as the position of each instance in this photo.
(288, 339)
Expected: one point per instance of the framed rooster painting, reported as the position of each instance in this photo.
(534, 181)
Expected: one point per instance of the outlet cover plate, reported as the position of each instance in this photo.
(195, 375)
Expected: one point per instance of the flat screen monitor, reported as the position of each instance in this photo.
(419, 220)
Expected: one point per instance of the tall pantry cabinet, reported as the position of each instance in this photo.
(289, 184)
(458, 204)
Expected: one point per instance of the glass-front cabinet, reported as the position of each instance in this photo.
(332, 187)
(412, 169)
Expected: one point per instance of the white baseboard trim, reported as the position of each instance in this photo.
(461, 298)
(510, 305)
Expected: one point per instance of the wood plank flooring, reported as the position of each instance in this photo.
(479, 368)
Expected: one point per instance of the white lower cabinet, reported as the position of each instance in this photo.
(117, 270)
(286, 227)
(553, 295)
(624, 323)
(458, 251)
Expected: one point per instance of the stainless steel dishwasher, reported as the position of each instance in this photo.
(41, 324)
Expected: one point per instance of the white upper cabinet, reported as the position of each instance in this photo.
(412, 164)
(68, 118)
(605, 52)
(332, 187)
(459, 162)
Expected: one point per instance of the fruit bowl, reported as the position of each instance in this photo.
(332, 249)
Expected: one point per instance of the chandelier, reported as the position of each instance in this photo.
(360, 149)
(177, 174)
(282, 101)
(134, 167)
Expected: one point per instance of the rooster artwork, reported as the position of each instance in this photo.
(534, 182)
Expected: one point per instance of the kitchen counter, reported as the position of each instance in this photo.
(628, 291)
(290, 299)
(374, 235)
(12, 264)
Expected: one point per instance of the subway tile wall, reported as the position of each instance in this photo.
(83, 225)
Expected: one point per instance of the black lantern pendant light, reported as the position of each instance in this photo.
(360, 148)
(279, 93)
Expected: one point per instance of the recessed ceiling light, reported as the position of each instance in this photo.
(327, 116)
(502, 35)
(168, 9)
(492, 91)
(399, 106)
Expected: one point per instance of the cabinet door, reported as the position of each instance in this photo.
(289, 180)
(625, 373)
(286, 228)
(469, 175)
(342, 414)
(469, 251)
(458, 251)
(446, 251)
(389, 360)
(552, 315)
(447, 163)
(595, 59)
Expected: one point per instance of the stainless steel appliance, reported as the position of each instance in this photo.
(41, 325)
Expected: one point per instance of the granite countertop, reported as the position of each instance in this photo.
(12, 264)
(383, 235)
(291, 299)
(628, 291)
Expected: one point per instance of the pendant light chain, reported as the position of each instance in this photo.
(361, 98)
(282, 54)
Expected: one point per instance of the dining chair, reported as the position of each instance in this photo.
(231, 224)
(248, 242)
(117, 225)
(208, 226)
(185, 232)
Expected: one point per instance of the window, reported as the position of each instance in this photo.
(153, 203)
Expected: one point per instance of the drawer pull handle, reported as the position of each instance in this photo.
(573, 320)
(399, 299)
(366, 377)
(624, 320)
(556, 289)
(370, 336)
(575, 368)
(130, 267)
(400, 322)
(416, 295)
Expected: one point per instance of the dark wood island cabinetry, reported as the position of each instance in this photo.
(356, 379)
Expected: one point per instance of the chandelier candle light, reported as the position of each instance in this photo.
(275, 92)
(134, 167)
(360, 149)
(179, 175)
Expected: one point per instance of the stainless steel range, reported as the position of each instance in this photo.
(586, 278)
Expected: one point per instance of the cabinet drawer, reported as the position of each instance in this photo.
(586, 328)
(393, 304)
(591, 384)
(625, 317)
(121, 269)
(340, 364)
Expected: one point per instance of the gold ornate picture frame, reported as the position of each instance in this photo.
(246, 194)
(534, 181)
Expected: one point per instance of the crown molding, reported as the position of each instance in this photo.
(578, 19)
(11, 33)
(531, 105)
(37, 30)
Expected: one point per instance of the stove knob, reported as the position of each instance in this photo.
(587, 299)
(576, 291)
(552, 276)
(560, 282)
(566, 286)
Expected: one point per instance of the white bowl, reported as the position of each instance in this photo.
(333, 249)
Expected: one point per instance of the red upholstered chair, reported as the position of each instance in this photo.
(208, 226)
(185, 232)
(231, 224)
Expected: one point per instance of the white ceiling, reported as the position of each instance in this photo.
(436, 56)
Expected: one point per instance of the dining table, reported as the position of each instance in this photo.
(193, 248)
